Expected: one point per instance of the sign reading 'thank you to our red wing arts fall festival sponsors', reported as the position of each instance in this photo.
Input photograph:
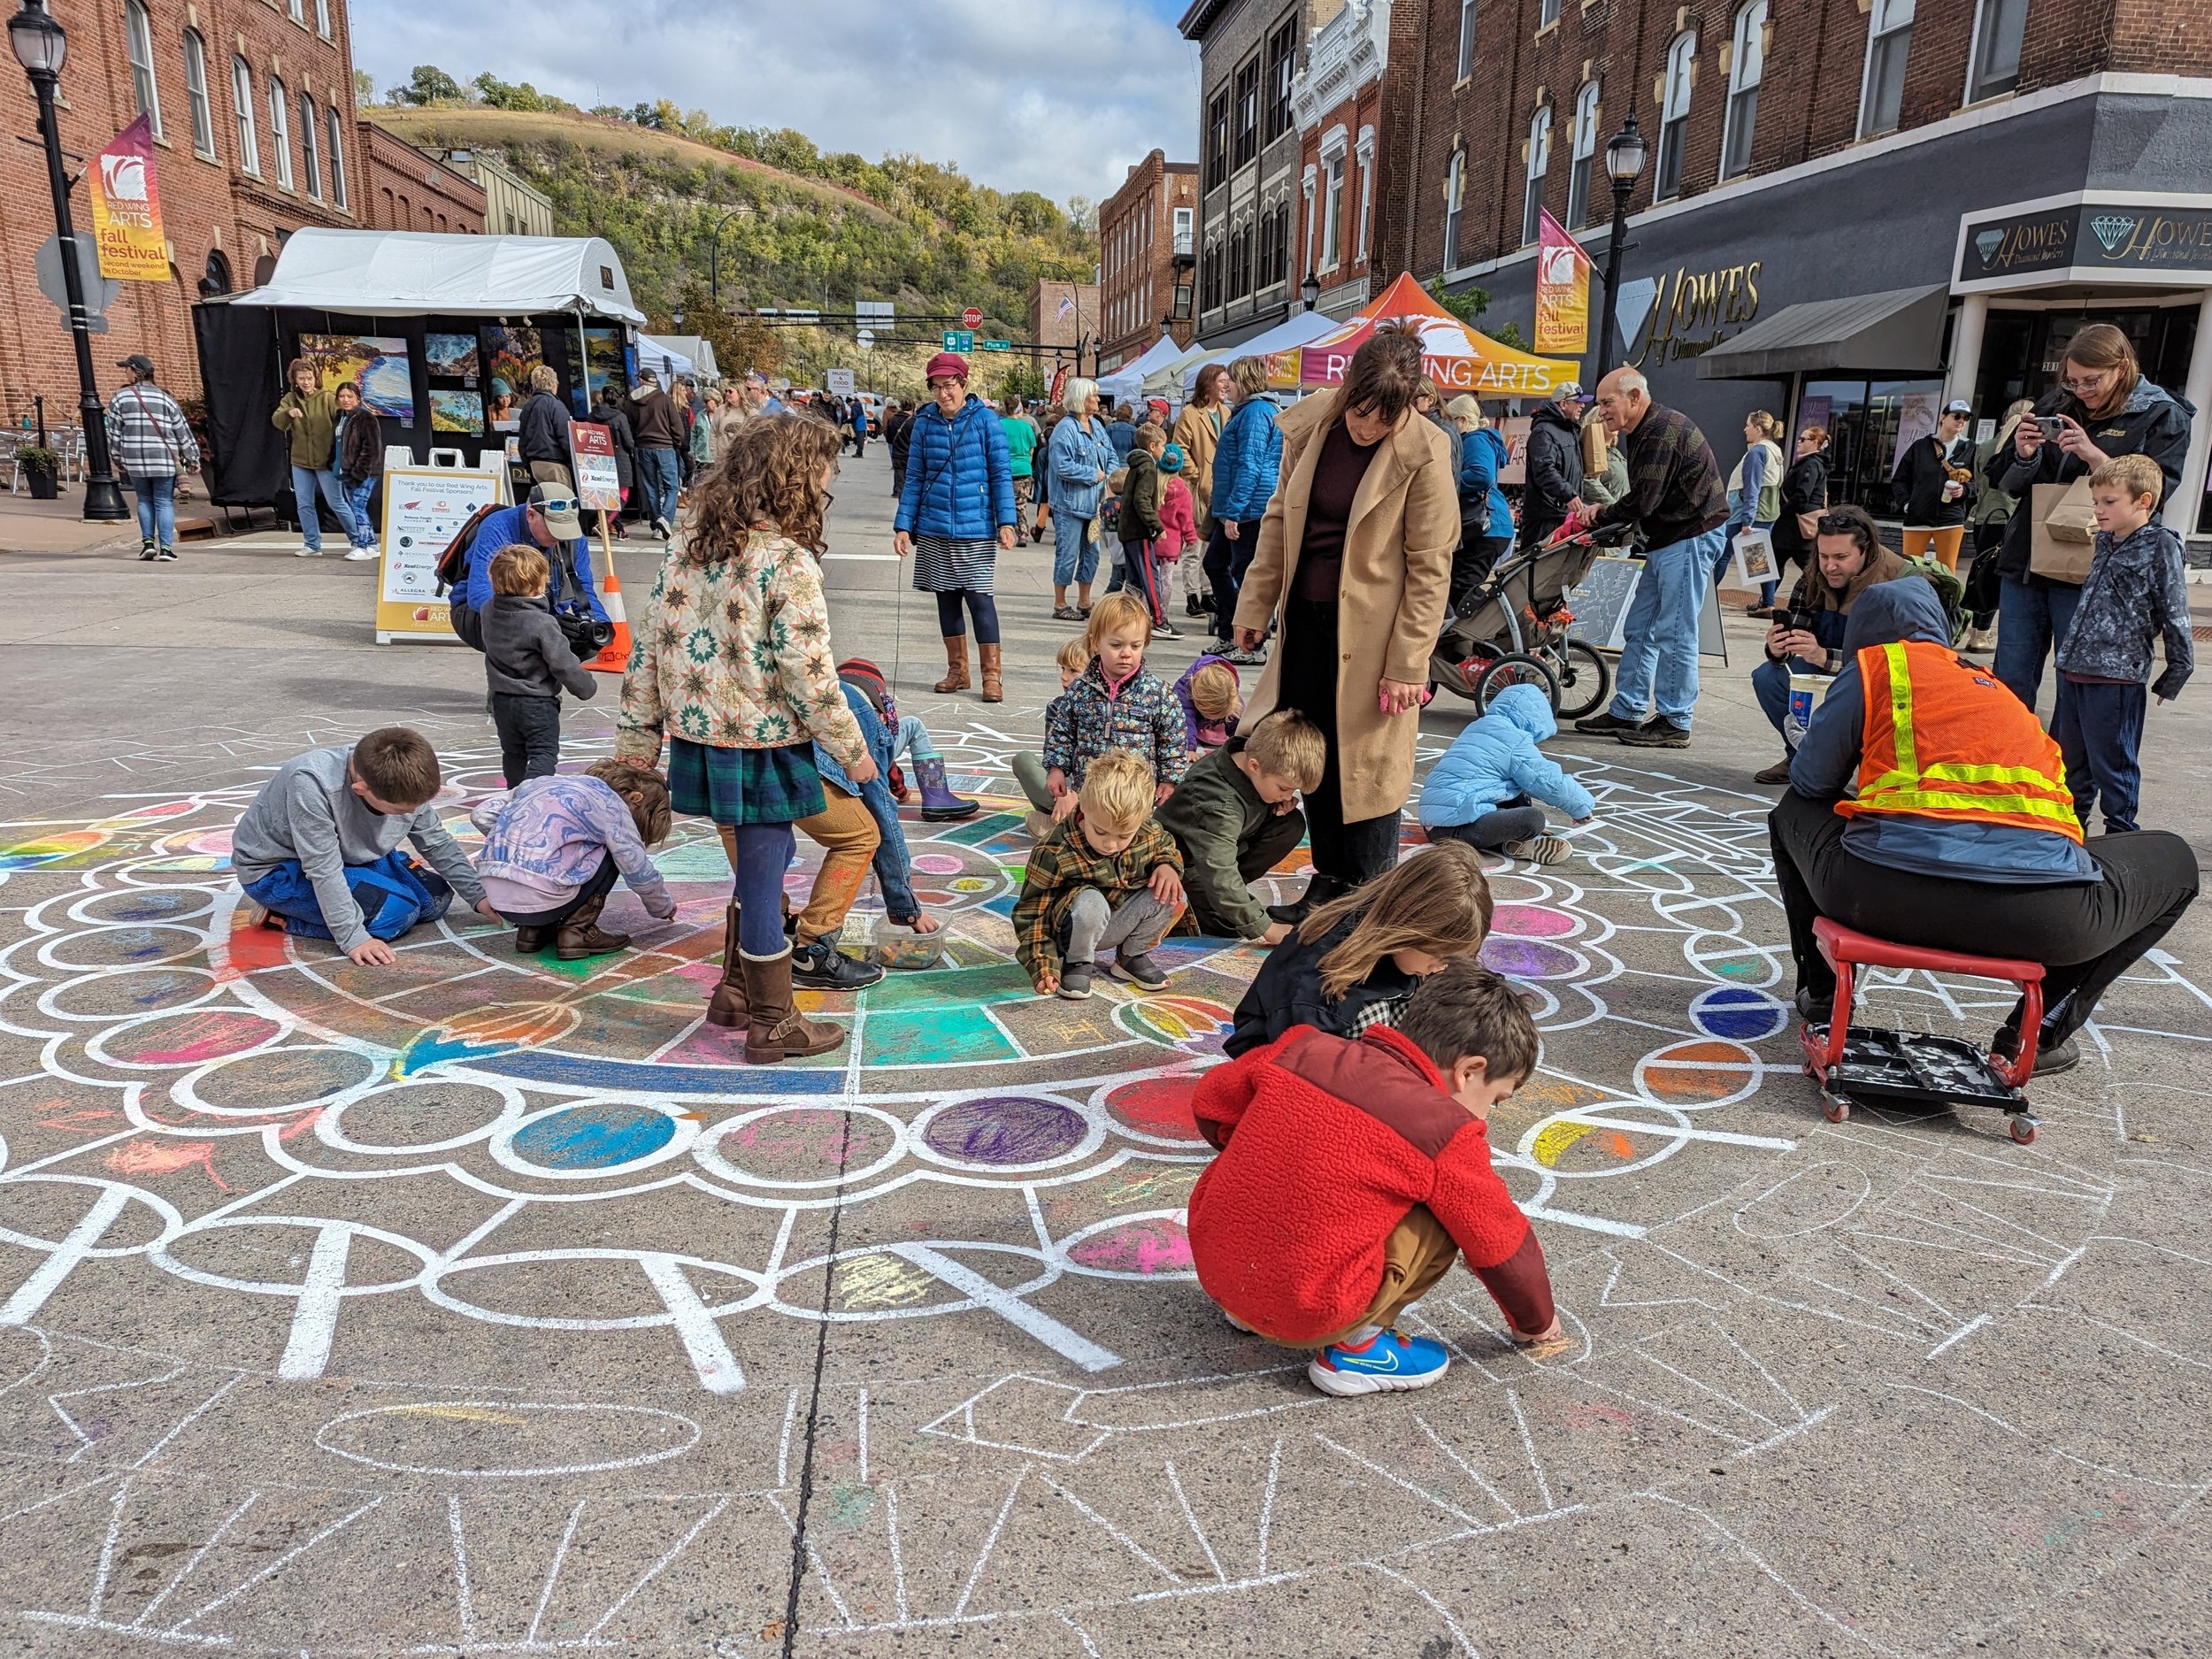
(424, 508)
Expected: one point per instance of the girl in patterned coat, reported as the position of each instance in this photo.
(1115, 702)
(734, 664)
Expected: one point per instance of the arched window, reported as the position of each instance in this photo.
(281, 131)
(195, 93)
(138, 40)
(1538, 160)
(337, 158)
(241, 107)
(1674, 116)
(216, 278)
(1746, 67)
(1585, 160)
(1888, 39)
(310, 143)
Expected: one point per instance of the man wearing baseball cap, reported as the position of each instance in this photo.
(547, 519)
(1934, 485)
(1553, 470)
(151, 444)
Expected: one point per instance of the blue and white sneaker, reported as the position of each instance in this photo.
(1387, 1361)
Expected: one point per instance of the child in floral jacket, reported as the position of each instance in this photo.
(1115, 702)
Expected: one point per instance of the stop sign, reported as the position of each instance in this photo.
(971, 318)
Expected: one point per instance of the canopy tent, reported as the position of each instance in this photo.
(1126, 384)
(697, 349)
(1458, 358)
(1179, 379)
(422, 273)
(660, 355)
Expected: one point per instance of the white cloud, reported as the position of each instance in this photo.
(1056, 96)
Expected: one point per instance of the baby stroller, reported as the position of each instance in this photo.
(1512, 630)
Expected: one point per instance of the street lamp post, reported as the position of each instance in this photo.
(714, 255)
(1623, 164)
(40, 46)
(1310, 290)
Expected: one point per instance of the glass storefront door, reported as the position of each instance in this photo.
(1863, 418)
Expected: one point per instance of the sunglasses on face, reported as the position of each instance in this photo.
(557, 504)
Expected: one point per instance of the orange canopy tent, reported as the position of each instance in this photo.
(1458, 358)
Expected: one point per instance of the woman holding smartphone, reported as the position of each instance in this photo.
(2102, 407)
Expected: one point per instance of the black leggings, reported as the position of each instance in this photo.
(1224, 564)
(598, 885)
(982, 607)
(1472, 561)
(2085, 935)
(1362, 849)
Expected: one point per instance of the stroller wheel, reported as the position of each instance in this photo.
(1515, 668)
(1586, 679)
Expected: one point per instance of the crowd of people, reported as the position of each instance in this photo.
(1327, 543)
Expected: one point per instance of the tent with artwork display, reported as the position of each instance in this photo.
(1126, 384)
(1458, 357)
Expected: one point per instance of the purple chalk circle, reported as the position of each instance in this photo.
(1533, 921)
(1006, 1132)
(1528, 958)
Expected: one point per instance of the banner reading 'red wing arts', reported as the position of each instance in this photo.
(1563, 290)
(126, 208)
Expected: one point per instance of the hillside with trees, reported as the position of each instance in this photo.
(791, 225)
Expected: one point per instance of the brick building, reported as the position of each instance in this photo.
(1146, 238)
(255, 136)
(1336, 101)
(1064, 325)
(1249, 55)
(403, 189)
(1851, 209)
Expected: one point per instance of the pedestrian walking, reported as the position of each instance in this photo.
(1804, 494)
(1021, 460)
(151, 444)
(1081, 456)
(360, 445)
(858, 415)
(955, 511)
(308, 417)
(730, 412)
(1354, 560)
(1933, 485)
(1246, 466)
(658, 430)
(1121, 431)
(897, 439)
(1198, 435)
(1485, 517)
(1552, 468)
(1754, 494)
(609, 413)
(1675, 498)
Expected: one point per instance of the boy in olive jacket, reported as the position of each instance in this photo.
(1233, 820)
(1139, 524)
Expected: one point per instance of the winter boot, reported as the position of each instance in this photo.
(955, 663)
(777, 1031)
(580, 936)
(940, 805)
(993, 690)
(530, 940)
(727, 1008)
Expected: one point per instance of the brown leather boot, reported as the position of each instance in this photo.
(530, 940)
(778, 1032)
(726, 1006)
(955, 663)
(580, 936)
(992, 691)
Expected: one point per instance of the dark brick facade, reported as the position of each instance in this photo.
(1141, 260)
(409, 190)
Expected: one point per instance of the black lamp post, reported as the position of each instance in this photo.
(40, 46)
(1623, 164)
(714, 255)
(1309, 291)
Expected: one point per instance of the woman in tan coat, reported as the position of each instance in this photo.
(1355, 557)
(1197, 434)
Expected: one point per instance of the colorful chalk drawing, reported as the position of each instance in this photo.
(306, 1173)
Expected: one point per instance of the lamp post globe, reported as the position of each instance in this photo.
(42, 47)
(1310, 290)
(1625, 156)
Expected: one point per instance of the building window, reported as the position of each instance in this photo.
(1209, 278)
(1363, 209)
(195, 95)
(1466, 38)
(1888, 39)
(1674, 117)
(309, 141)
(1218, 139)
(337, 158)
(138, 36)
(1332, 213)
(1584, 158)
(1546, 13)
(1455, 197)
(241, 105)
(322, 17)
(1747, 65)
(1282, 243)
(1248, 114)
(1267, 247)
(280, 132)
(1538, 162)
(1182, 231)
(1998, 27)
(216, 278)
(298, 9)
(1282, 65)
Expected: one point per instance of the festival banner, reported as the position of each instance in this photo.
(126, 208)
(1563, 290)
(598, 480)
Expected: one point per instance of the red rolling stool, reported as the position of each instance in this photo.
(1912, 1068)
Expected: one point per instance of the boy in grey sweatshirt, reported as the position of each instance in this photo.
(527, 662)
(319, 846)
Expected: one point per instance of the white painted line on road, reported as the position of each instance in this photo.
(719, 1370)
(1066, 1343)
(866, 559)
(317, 1321)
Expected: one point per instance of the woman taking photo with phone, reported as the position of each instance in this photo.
(2102, 407)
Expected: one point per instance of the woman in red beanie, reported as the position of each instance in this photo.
(955, 513)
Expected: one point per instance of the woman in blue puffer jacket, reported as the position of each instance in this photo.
(1245, 466)
(955, 513)
(1485, 790)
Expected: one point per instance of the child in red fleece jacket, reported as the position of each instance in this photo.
(1353, 1173)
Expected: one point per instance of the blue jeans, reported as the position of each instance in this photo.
(2099, 733)
(657, 475)
(393, 893)
(2031, 621)
(1660, 656)
(306, 481)
(1771, 684)
(1074, 554)
(156, 508)
(358, 503)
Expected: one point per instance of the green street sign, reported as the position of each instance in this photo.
(997, 345)
(961, 339)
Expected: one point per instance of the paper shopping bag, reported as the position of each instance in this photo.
(2063, 523)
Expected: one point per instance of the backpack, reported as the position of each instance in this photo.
(865, 678)
(453, 563)
(1950, 591)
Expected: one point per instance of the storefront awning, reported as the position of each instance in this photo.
(1899, 332)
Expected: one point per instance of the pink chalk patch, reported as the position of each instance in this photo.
(215, 842)
(192, 1038)
(938, 864)
(1532, 921)
(1153, 1245)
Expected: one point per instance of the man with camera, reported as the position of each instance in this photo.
(1807, 636)
(549, 520)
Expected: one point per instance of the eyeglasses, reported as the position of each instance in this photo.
(2089, 383)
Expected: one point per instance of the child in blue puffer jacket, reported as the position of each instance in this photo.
(1484, 790)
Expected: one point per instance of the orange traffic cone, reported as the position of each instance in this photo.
(614, 657)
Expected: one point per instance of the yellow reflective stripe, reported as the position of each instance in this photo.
(1964, 772)
(1981, 805)
(1908, 758)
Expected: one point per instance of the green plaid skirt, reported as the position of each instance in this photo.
(744, 785)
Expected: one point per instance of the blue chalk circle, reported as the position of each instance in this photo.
(594, 1137)
(1737, 1013)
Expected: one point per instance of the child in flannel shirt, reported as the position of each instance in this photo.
(1108, 876)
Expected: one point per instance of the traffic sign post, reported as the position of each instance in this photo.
(960, 340)
(996, 345)
(971, 318)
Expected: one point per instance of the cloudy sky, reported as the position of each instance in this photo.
(1056, 96)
